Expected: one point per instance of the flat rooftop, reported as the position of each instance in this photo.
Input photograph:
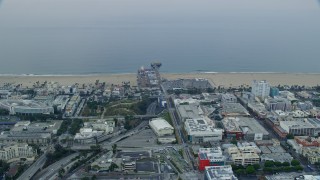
(244, 124)
(234, 109)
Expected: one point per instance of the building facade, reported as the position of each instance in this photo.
(260, 88)
(11, 152)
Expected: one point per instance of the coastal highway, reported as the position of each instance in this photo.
(33, 168)
(51, 170)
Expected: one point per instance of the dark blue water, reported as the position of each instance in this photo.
(119, 36)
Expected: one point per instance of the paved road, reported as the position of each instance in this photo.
(51, 170)
(177, 126)
(108, 144)
(34, 168)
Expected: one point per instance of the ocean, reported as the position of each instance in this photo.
(120, 36)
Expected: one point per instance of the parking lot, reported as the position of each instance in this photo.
(145, 138)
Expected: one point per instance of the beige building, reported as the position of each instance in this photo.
(243, 156)
(312, 154)
(13, 152)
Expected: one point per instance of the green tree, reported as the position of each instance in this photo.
(240, 171)
(113, 166)
(285, 164)
(269, 164)
(278, 164)
(256, 166)
(298, 168)
(290, 136)
(267, 169)
(94, 177)
(61, 172)
(295, 162)
(250, 170)
(234, 141)
(114, 148)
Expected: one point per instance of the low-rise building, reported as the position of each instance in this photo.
(25, 107)
(234, 110)
(228, 98)
(72, 105)
(304, 127)
(87, 136)
(210, 157)
(199, 131)
(219, 173)
(305, 105)
(243, 127)
(280, 157)
(14, 152)
(32, 133)
(188, 109)
(312, 154)
(161, 127)
(243, 156)
(278, 103)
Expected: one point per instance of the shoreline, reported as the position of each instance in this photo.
(167, 73)
(228, 79)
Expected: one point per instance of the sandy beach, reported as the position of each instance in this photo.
(219, 79)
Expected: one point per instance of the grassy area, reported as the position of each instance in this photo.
(167, 117)
(127, 107)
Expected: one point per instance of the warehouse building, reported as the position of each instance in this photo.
(161, 127)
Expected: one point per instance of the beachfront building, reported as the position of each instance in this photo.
(260, 88)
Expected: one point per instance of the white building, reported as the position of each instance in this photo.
(199, 131)
(260, 89)
(161, 127)
(219, 173)
(13, 152)
(87, 136)
(25, 107)
(305, 127)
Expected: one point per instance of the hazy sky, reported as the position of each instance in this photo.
(186, 35)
